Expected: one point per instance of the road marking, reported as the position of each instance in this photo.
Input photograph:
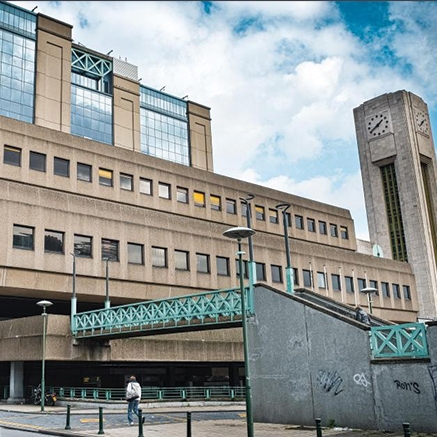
(90, 420)
(3, 422)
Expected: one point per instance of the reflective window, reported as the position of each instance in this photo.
(344, 233)
(164, 190)
(298, 219)
(53, 241)
(334, 230)
(336, 284)
(276, 273)
(146, 186)
(407, 293)
(311, 225)
(105, 177)
(244, 209)
(159, 257)
(307, 278)
(37, 161)
(245, 269)
(199, 199)
(18, 20)
(385, 289)
(361, 284)
(396, 291)
(182, 194)
(126, 182)
(231, 207)
(374, 284)
(135, 253)
(222, 266)
(323, 228)
(295, 276)
(161, 102)
(273, 216)
(109, 249)
(83, 246)
(349, 280)
(61, 167)
(12, 156)
(202, 263)
(23, 237)
(260, 213)
(260, 271)
(288, 219)
(321, 280)
(181, 260)
(84, 172)
(215, 202)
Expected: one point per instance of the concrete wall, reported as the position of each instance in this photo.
(308, 362)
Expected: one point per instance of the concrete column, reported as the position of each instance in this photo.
(16, 388)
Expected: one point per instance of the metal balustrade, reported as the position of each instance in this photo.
(399, 341)
(190, 312)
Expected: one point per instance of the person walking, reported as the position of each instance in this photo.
(133, 397)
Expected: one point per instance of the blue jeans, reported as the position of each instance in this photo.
(132, 407)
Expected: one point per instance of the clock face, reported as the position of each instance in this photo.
(378, 124)
(422, 122)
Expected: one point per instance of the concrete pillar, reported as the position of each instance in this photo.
(16, 388)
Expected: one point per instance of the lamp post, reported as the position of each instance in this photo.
(252, 266)
(238, 234)
(289, 269)
(369, 291)
(44, 304)
(73, 295)
(107, 301)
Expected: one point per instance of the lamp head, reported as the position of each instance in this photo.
(44, 303)
(283, 206)
(246, 199)
(238, 233)
(369, 290)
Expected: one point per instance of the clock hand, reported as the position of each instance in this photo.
(423, 121)
(376, 125)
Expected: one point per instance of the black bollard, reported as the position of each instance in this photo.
(319, 427)
(101, 421)
(407, 431)
(188, 424)
(140, 423)
(67, 424)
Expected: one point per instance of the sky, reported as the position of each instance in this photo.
(281, 77)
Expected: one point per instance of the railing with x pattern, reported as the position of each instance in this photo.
(407, 340)
(206, 310)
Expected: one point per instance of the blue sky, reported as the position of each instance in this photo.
(281, 77)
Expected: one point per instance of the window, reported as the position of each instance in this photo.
(146, 186)
(298, 219)
(199, 199)
(181, 260)
(321, 280)
(385, 289)
(260, 271)
(135, 253)
(37, 161)
(307, 279)
(12, 156)
(215, 202)
(61, 167)
(245, 269)
(407, 294)
(334, 230)
(126, 182)
(202, 263)
(335, 280)
(105, 177)
(273, 216)
(295, 276)
(244, 209)
(110, 249)
(276, 273)
(159, 257)
(288, 218)
(83, 246)
(322, 228)
(396, 291)
(311, 225)
(260, 213)
(53, 241)
(182, 194)
(344, 233)
(23, 237)
(374, 284)
(222, 266)
(164, 190)
(231, 207)
(84, 172)
(361, 284)
(349, 284)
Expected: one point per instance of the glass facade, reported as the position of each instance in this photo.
(164, 126)
(17, 55)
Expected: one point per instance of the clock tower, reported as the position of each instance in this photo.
(399, 173)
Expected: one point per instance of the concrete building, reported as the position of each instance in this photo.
(99, 169)
(398, 166)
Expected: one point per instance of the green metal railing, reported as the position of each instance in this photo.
(399, 341)
(208, 308)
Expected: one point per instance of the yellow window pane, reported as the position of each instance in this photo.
(199, 198)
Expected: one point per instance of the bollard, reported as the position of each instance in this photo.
(140, 422)
(319, 427)
(101, 421)
(188, 424)
(67, 424)
(407, 431)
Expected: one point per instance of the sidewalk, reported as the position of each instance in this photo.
(166, 420)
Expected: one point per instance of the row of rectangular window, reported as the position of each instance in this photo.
(322, 283)
(61, 167)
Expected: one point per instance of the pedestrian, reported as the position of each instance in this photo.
(362, 316)
(133, 397)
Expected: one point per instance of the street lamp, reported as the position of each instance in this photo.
(238, 234)
(107, 302)
(289, 269)
(73, 296)
(44, 304)
(369, 291)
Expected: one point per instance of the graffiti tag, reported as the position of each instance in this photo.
(360, 379)
(433, 373)
(409, 386)
(330, 381)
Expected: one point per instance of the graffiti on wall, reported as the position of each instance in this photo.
(409, 386)
(330, 381)
(433, 373)
(360, 379)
